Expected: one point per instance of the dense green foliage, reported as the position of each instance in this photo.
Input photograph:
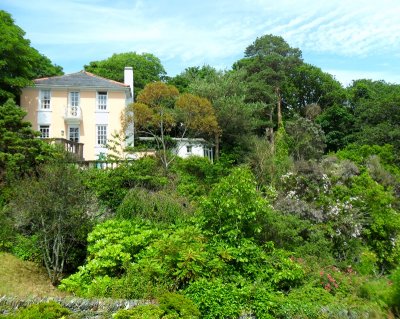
(147, 68)
(19, 62)
(20, 149)
(48, 209)
(47, 310)
(298, 218)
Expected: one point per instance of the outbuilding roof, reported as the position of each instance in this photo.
(80, 79)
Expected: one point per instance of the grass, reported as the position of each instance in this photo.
(23, 279)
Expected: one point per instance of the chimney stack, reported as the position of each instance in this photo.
(128, 79)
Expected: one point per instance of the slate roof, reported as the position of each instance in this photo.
(80, 79)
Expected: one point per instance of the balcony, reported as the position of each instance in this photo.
(73, 115)
(74, 148)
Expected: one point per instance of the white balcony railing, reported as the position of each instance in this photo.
(73, 114)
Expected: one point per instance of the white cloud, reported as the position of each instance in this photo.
(347, 76)
(201, 32)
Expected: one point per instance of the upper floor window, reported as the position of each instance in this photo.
(74, 98)
(189, 149)
(44, 100)
(44, 131)
(102, 101)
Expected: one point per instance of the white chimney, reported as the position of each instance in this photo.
(128, 78)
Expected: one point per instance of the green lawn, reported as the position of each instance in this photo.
(24, 279)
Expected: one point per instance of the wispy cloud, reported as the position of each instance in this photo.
(214, 32)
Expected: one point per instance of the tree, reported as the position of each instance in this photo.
(19, 62)
(337, 122)
(376, 109)
(307, 140)
(57, 208)
(234, 208)
(160, 112)
(191, 74)
(237, 119)
(20, 149)
(310, 85)
(147, 68)
(269, 62)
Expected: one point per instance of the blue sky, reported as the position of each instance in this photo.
(350, 39)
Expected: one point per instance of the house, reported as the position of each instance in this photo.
(81, 110)
(186, 147)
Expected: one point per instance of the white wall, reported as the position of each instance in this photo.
(197, 149)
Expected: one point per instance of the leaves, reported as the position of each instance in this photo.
(147, 68)
(19, 62)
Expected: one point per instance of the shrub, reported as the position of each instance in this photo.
(7, 232)
(26, 248)
(379, 291)
(174, 304)
(111, 246)
(234, 208)
(171, 306)
(48, 310)
(196, 175)
(153, 206)
(395, 277)
(367, 264)
(140, 312)
(215, 299)
(112, 185)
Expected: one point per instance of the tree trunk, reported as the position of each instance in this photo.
(279, 106)
(216, 147)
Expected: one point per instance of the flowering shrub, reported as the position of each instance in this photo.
(328, 282)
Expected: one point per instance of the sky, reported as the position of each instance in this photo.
(350, 39)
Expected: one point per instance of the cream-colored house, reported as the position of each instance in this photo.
(80, 109)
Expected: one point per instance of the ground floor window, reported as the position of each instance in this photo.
(73, 134)
(101, 135)
(44, 131)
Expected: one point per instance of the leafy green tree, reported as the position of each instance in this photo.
(19, 62)
(160, 112)
(57, 208)
(376, 107)
(147, 68)
(310, 85)
(269, 63)
(234, 209)
(337, 122)
(191, 74)
(237, 119)
(20, 149)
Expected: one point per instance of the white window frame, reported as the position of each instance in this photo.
(101, 135)
(189, 149)
(44, 131)
(45, 99)
(69, 133)
(102, 101)
(74, 98)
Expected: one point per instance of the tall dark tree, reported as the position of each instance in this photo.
(19, 62)
(147, 68)
(337, 121)
(269, 62)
